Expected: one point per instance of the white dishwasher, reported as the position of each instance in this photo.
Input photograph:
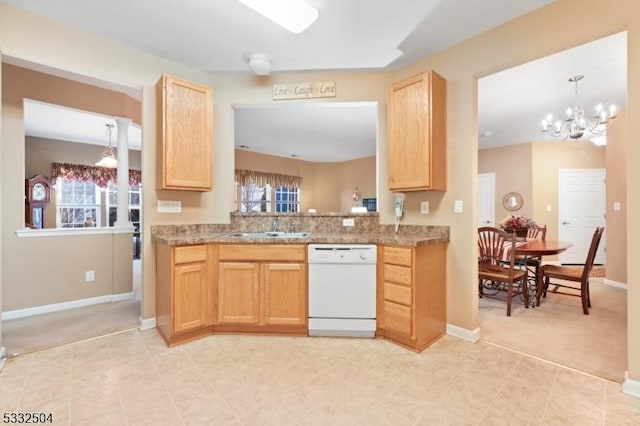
(342, 290)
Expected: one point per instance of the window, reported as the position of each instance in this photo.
(287, 199)
(254, 198)
(77, 204)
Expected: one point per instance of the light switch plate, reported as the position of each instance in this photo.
(424, 207)
(548, 207)
(349, 222)
(165, 206)
(458, 206)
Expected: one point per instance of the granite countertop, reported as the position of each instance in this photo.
(343, 238)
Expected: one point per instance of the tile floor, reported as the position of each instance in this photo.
(132, 378)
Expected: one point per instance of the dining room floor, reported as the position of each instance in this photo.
(558, 331)
(132, 378)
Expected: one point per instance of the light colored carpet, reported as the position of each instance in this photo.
(30, 334)
(558, 331)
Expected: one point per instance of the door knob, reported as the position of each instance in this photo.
(566, 223)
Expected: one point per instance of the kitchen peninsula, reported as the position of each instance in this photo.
(250, 276)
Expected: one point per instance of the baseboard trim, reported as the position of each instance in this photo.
(631, 387)
(55, 307)
(615, 284)
(463, 333)
(146, 323)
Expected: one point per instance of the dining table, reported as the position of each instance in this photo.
(538, 248)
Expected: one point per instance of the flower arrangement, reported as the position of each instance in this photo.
(510, 223)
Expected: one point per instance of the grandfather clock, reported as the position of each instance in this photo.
(37, 197)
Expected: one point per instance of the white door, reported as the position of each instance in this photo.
(581, 208)
(486, 199)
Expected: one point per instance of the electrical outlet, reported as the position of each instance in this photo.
(349, 222)
(424, 207)
(458, 206)
(89, 276)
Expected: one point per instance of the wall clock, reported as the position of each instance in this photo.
(37, 198)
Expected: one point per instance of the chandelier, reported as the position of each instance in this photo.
(108, 157)
(576, 123)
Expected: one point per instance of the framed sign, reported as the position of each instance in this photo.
(318, 89)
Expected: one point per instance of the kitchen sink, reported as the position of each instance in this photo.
(275, 234)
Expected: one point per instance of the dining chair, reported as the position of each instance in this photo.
(533, 232)
(537, 232)
(497, 270)
(569, 275)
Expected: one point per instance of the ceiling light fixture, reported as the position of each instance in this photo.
(576, 124)
(294, 15)
(108, 157)
(259, 63)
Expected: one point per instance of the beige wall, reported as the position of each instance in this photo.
(326, 187)
(616, 233)
(41, 152)
(535, 35)
(52, 269)
(512, 167)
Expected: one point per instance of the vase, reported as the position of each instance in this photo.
(521, 232)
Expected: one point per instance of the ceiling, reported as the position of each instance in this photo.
(513, 103)
(215, 36)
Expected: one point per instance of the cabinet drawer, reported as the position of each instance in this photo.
(397, 255)
(397, 293)
(398, 318)
(285, 252)
(397, 274)
(189, 254)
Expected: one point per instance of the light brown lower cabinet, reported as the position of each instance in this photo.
(183, 291)
(262, 287)
(203, 289)
(412, 283)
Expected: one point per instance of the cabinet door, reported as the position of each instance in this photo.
(185, 125)
(191, 297)
(238, 293)
(417, 133)
(285, 293)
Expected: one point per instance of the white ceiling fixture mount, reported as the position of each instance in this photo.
(259, 63)
(108, 157)
(293, 15)
(576, 123)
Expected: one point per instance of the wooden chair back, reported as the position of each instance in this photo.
(496, 264)
(591, 256)
(492, 243)
(537, 232)
(570, 274)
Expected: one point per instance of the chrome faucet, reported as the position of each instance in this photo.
(274, 225)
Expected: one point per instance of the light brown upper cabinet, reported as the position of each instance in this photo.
(417, 128)
(185, 135)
